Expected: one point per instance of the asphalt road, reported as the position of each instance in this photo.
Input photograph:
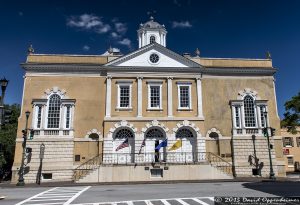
(179, 193)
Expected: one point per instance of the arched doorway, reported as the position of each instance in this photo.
(188, 150)
(154, 136)
(126, 153)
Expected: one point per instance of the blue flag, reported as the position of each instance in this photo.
(162, 144)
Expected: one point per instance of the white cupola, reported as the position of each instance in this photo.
(151, 32)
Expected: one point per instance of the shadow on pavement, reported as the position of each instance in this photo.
(287, 188)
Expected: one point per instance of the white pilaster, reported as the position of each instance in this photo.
(170, 98)
(140, 97)
(199, 97)
(108, 96)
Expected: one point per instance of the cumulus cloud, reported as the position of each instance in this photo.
(115, 35)
(181, 24)
(125, 42)
(86, 48)
(88, 22)
(120, 27)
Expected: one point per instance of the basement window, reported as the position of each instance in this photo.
(47, 176)
(77, 158)
(156, 173)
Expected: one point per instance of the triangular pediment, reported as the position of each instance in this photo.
(141, 58)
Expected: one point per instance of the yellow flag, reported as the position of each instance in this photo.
(176, 145)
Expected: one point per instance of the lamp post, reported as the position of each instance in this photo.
(3, 83)
(272, 175)
(21, 171)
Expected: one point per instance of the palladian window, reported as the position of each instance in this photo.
(54, 111)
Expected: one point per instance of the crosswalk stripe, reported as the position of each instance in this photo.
(165, 202)
(26, 200)
(199, 201)
(148, 202)
(76, 195)
(182, 202)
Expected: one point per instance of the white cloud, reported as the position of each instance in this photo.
(86, 48)
(181, 24)
(88, 22)
(120, 27)
(125, 42)
(115, 35)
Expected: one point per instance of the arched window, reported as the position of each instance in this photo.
(54, 111)
(184, 133)
(123, 134)
(154, 133)
(214, 135)
(249, 111)
(152, 39)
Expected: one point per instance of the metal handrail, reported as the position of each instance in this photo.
(219, 163)
(85, 168)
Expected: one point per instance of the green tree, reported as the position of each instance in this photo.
(8, 134)
(292, 114)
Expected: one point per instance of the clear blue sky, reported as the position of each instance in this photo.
(235, 29)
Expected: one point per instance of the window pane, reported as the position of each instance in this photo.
(290, 160)
(184, 96)
(249, 112)
(124, 96)
(287, 141)
(237, 116)
(155, 96)
(68, 117)
(54, 111)
(262, 117)
(39, 117)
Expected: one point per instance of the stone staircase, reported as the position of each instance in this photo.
(214, 167)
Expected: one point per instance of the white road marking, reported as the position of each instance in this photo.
(57, 195)
(200, 202)
(76, 195)
(149, 201)
(182, 202)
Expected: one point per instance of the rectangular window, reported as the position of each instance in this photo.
(124, 97)
(184, 92)
(47, 176)
(262, 116)
(287, 141)
(39, 117)
(156, 173)
(155, 97)
(298, 141)
(237, 117)
(77, 158)
(290, 161)
(68, 115)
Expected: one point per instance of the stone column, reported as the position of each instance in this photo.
(199, 97)
(108, 96)
(170, 97)
(140, 96)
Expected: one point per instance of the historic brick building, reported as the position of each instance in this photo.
(83, 107)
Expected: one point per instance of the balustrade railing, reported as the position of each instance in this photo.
(85, 168)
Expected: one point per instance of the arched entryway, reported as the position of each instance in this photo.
(188, 150)
(153, 137)
(123, 146)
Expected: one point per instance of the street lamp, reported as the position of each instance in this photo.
(3, 83)
(21, 171)
(272, 175)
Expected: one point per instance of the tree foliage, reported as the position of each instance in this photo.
(292, 114)
(8, 134)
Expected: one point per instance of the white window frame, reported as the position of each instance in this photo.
(237, 108)
(120, 84)
(291, 142)
(157, 84)
(255, 112)
(292, 157)
(60, 113)
(179, 85)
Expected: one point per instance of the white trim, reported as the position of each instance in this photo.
(199, 98)
(170, 97)
(120, 84)
(108, 96)
(274, 90)
(25, 77)
(149, 96)
(140, 97)
(179, 85)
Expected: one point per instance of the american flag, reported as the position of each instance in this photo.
(123, 145)
(143, 145)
